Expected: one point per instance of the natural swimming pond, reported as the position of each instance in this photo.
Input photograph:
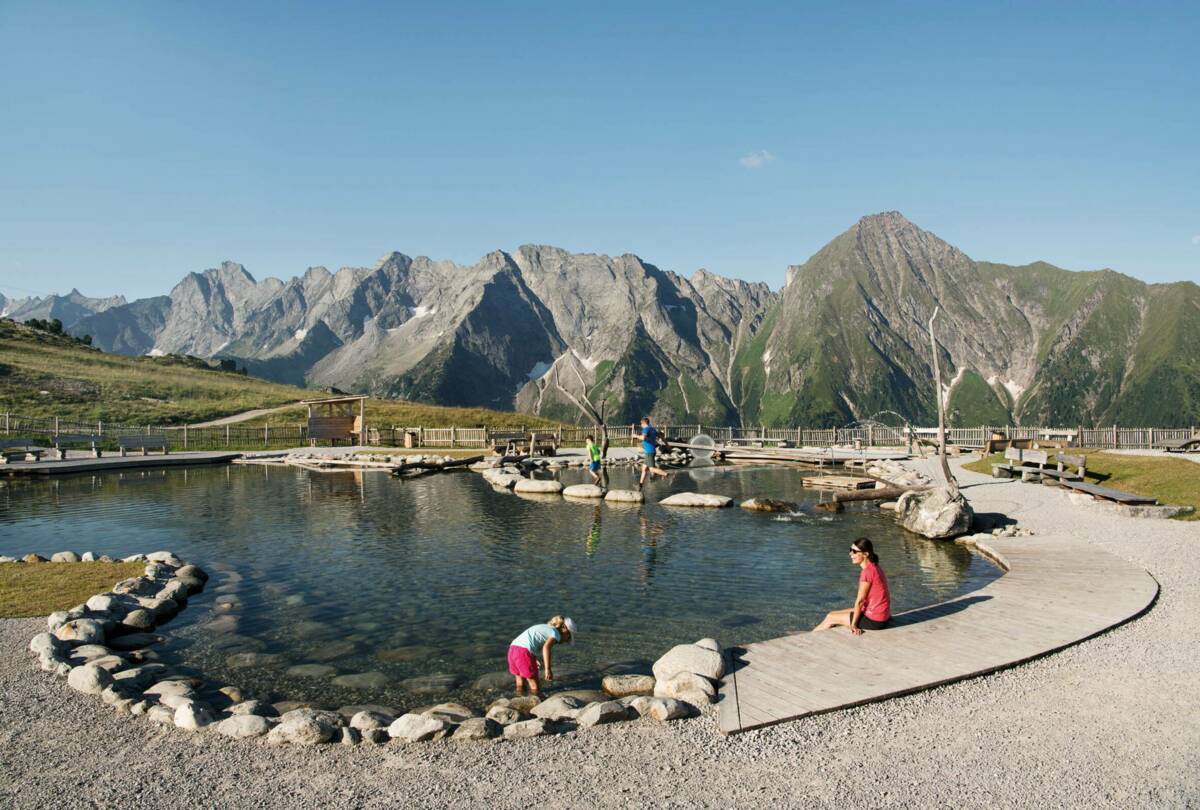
(419, 585)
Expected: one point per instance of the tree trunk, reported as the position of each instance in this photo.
(937, 382)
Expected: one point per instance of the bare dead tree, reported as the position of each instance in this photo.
(585, 405)
(937, 382)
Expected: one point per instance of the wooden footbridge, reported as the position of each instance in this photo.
(1053, 594)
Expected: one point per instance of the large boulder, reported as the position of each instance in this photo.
(64, 556)
(499, 477)
(609, 711)
(307, 727)
(939, 514)
(538, 486)
(419, 728)
(686, 686)
(690, 658)
(697, 499)
(583, 491)
(625, 685)
(90, 679)
(624, 496)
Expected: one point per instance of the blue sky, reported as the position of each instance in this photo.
(141, 141)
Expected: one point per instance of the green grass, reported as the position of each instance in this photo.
(48, 375)
(39, 589)
(1170, 480)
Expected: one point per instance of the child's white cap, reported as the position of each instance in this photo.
(569, 623)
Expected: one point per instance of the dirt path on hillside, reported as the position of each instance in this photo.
(244, 416)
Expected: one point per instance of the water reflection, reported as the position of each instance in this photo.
(321, 575)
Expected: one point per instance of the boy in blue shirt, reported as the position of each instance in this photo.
(650, 442)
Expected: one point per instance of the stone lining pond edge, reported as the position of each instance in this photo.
(101, 648)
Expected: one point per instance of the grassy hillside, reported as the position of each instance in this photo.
(51, 375)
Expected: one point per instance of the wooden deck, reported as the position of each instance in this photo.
(1049, 598)
(72, 466)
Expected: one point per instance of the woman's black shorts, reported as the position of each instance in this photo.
(870, 624)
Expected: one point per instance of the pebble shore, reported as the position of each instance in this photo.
(1105, 723)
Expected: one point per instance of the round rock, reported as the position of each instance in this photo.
(701, 499)
(90, 679)
(534, 485)
(583, 491)
(624, 496)
(242, 726)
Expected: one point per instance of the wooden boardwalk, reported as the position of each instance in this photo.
(72, 466)
(1055, 593)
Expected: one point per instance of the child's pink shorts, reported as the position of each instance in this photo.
(521, 662)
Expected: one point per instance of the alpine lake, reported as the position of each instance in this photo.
(416, 587)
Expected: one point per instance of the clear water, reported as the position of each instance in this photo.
(363, 573)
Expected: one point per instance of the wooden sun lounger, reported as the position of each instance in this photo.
(1182, 445)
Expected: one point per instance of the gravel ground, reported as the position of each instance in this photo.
(1110, 723)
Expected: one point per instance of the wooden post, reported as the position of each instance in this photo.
(56, 426)
(185, 437)
(452, 431)
(6, 423)
(226, 435)
(266, 435)
(1116, 441)
(870, 435)
(1151, 445)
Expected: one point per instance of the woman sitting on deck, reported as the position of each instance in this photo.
(873, 607)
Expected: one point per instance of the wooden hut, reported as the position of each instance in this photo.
(337, 419)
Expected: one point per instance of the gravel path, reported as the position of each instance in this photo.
(1110, 723)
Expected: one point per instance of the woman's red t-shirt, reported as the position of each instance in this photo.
(879, 602)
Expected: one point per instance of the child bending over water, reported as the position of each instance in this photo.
(537, 640)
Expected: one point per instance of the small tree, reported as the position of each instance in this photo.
(941, 405)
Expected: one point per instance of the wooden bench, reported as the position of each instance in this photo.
(63, 439)
(1062, 473)
(508, 443)
(1107, 494)
(18, 450)
(143, 443)
(543, 444)
(1022, 460)
(1182, 445)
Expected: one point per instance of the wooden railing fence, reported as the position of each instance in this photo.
(236, 436)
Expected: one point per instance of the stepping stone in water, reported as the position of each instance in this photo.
(311, 670)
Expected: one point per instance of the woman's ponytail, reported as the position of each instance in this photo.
(557, 622)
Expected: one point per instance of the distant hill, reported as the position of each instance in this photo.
(42, 374)
(546, 331)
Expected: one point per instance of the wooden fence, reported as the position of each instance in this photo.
(275, 436)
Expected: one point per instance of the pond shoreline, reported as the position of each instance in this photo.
(1003, 750)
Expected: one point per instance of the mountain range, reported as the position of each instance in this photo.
(546, 331)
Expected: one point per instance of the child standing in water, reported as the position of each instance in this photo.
(536, 641)
(593, 459)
